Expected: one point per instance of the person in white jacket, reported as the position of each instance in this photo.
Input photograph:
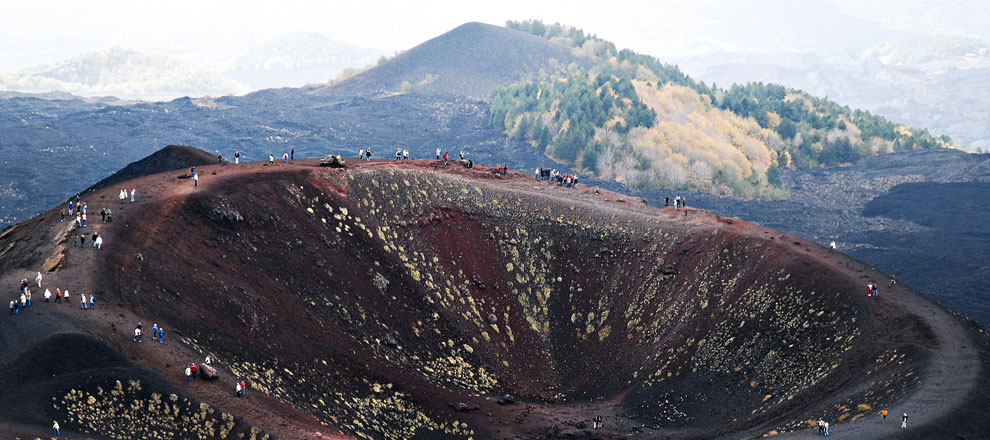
(48, 295)
(38, 279)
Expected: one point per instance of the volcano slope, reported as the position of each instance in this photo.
(396, 300)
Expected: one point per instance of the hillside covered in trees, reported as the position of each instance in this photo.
(636, 120)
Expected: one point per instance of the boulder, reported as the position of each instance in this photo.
(332, 160)
(207, 372)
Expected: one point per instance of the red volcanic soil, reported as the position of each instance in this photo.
(399, 300)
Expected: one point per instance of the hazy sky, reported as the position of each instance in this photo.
(43, 31)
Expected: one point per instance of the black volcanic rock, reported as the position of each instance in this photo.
(471, 60)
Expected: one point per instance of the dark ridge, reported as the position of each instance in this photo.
(172, 157)
(471, 60)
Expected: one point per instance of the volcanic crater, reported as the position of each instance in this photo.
(408, 299)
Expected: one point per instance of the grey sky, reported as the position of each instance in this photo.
(45, 31)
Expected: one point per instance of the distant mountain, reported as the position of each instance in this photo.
(124, 74)
(471, 60)
(297, 59)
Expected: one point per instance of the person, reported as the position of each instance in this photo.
(17, 307)
(103, 215)
(122, 196)
(461, 154)
(66, 295)
(883, 414)
(55, 428)
(598, 421)
(821, 423)
(196, 181)
(27, 294)
(285, 157)
(137, 334)
(271, 159)
(193, 368)
(82, 301)
(58, 295)
(154, 332)
(361, 154)
(84, 219)
(71, 207)
(92, 302)
(666, 200)
(133, 190)
(161, 334)
(82, 240)
(238, 390)
(367, 152)
(892, 281)
(23, 301)
(79, 220)
(826, 429)
(62, 218)
(38, 279)
(438, 153)
(904, 421)
(109, 216)
(445, 158)
(48, 295)
(685, 210)
(398, 154)
(237, 157)
(207, 361)
(243, 387)
(292, 153)
(596, 188)
(831, 246)
(12, 306)
(188, 374)
(869, 289)
(98, 242)
(876, 290)
(405, 154)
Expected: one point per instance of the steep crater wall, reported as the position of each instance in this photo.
(393, 303)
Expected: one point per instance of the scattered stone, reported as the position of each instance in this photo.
(506, 399)
(332, 161)
(492, 319)
(207, 372)
(389, 340)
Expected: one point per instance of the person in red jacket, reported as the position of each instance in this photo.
(192, 369)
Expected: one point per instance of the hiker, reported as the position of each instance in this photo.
(62, 218)
(55, 428)
(17, 307)
(237, 157)
(27, 296)
(271, 159)
(596, 188)
(48, 295)
(122, 196)
(869, 289)
(92, 302)
(193, 368)
(207, 361)
(38, 279)
(876, 290)
(821, 423)
(84, 219)
(831, 246)
(445, 158)
(154, 332)
(884, 415)
(438, 153)
(82, 240)
(196, 181)
(367, 152)
(904, 421)
(133, 190)
(398, 154)
(361, 154)
(666, 200)
(238, 390)
(79, 220)
(285, 157)
(66, 296)
(292, 153)
(11, 307)
(98, 242)
(188, 374)
(109, 216)
(58, 295)
(243, 387)
(892, 281)
(461, 154)
(71, 207)
(685, 211)
(597, 421)
(137, 334)
(82, 301)
(161, 334)
(405, 154)
(103, 215)
(826, 429)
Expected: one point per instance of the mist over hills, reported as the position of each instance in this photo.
(124, 74)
